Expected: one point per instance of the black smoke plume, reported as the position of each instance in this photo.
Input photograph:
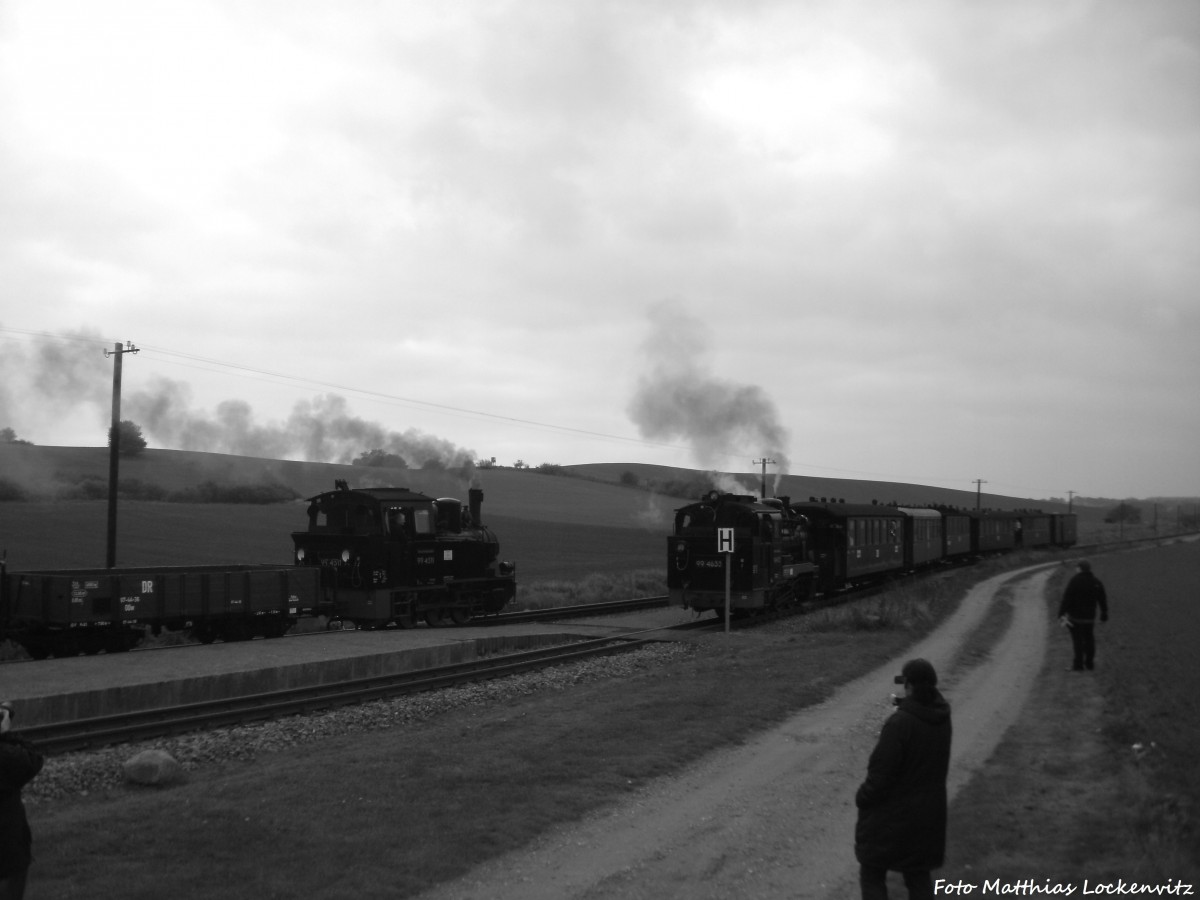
(64, 376)
(678, 398)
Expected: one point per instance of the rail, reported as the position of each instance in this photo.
(140, 725)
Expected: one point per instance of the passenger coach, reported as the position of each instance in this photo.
(854, 543)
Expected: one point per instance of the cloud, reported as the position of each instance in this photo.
(905, 222)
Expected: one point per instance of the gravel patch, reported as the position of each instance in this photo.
(81, 774)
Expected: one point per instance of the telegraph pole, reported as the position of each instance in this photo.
(979, 483)
(114, 448)
(764, 462)
(1070, 500)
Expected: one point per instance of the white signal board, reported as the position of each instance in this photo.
(724, 540)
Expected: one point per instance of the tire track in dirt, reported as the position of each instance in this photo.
(774, 818)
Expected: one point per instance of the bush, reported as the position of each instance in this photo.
(132, 442)
(136, 489)
(11, 491)
(211, 492)
(86, 487)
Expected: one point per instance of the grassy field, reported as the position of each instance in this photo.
(72, 534)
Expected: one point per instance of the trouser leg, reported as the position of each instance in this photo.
(919, 884)
(1088, 637)
(1077, 645)
(13, 887)
(873, 881)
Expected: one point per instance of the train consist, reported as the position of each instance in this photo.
(775, 552)
(369, 557)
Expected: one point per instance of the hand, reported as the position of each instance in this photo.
(5, 719)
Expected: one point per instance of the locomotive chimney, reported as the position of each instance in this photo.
(475, 500)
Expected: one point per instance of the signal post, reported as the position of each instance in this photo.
(725, 545)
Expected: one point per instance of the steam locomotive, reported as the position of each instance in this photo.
(394, 556)
(777, 552)
(370, 558)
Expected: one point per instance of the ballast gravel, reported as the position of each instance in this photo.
(81, 774)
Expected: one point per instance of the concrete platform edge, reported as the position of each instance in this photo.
(88, 704)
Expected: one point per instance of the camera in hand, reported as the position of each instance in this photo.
(899, 679)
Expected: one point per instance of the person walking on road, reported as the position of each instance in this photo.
(902, 803)
(1083, 596)
(20, 761)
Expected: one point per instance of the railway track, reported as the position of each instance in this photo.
(148, 724)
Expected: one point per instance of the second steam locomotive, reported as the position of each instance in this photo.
(776, 552)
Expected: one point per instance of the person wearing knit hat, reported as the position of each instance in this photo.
(902, 803)
(1083, 596)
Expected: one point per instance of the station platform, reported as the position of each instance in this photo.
(51, 691)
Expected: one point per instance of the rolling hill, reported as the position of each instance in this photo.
(602, 518)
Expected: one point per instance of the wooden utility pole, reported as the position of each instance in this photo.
(1070, 500)
(979, 483)
(114, 449)
(764, 462)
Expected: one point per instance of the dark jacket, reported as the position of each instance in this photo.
(20, 761)
(902, 803)
(1083, 594)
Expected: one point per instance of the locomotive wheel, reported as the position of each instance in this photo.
(434, 618)
(461, 615)
(406, 618)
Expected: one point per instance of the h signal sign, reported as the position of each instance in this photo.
(724, 540)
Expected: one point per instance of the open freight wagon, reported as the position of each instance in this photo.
(71, 611)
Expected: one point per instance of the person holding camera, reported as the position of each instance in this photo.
(20, 761)
(902, 803)
(1083, 596)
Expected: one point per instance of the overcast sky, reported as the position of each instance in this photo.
(924, 241)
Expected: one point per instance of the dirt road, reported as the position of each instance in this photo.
(774, 819)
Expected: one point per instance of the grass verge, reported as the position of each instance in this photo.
(1100, 778)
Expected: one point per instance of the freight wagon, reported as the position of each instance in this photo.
(71, 611)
